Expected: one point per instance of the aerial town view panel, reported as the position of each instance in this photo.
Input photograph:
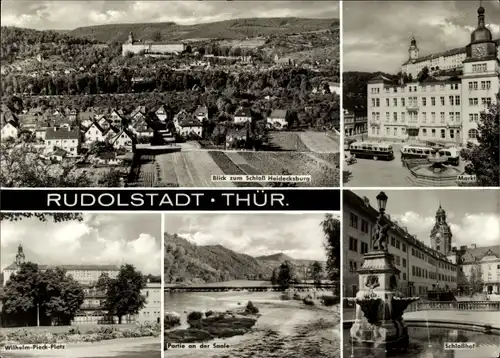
(169, 94)
(421, 97)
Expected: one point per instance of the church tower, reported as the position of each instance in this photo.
(441, 233)
(413, 50)
(20, 258)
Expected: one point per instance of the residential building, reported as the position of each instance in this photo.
(94, 133)
(123, 139)
(242, 115)
(10, 130)
(201, 113)
(278, 119)
(354, 125)
(116, 118)
(422, 268)
(151, 312)
(68, 139)
(439, 108)
(162, 113)
(190, 126)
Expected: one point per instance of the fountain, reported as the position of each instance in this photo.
(379, 304)
(434, 173)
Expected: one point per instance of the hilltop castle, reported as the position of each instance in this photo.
(135, 46)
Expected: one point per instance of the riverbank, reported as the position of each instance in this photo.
(287, 328)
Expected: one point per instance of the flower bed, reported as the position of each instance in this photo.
(73, 335)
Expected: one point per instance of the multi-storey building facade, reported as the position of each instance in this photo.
(91, 310)
(441, 108)
(421, 268)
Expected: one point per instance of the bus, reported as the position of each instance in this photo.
(370, 150)
(416, 152)
(452, 155)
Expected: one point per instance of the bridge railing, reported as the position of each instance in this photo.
(459, 306)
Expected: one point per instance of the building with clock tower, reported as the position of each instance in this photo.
(480, 79)
(441, 233)
(413, 50)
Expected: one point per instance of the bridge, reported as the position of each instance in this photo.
(261, 288)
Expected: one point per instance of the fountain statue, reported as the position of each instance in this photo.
(379, 304)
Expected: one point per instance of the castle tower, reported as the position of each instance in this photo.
(130, 38)
(20, 258)
(441, 233)
(413, 50)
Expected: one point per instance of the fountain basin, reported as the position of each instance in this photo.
(434, 175)
(427, 339)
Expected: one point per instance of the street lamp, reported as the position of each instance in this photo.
(38, 315)
(382, 201)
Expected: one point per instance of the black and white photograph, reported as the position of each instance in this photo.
(421, 93)
(259, 285)
(170, 93)
(80, 285)
(421, 273)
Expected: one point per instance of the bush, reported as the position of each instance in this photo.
(251, 309)
(171, 320)
(209, 313)
(194, 316)
(307, 301)
(297, 297)
(329, 300)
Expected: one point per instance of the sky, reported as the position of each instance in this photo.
(98, 239)
(296, 235)
(473, 215)
(68, 15)
(376, 34)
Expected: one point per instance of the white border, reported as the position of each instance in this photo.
(162, 285)
(341, 165)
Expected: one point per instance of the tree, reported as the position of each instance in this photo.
(123, 294)
(475, 279)
(274, 277)
(99, 147)
(157, 37)
(111, 179)
(23, 165)
(54, 294)
(316, 272)
(483, 159)
(423, 74)
(56, 217)
(286, 274)
(331, 229)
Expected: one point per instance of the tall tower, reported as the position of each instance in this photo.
(413, 50)
(441, 233)
(480, 80)
(20, 258)
(130, 38)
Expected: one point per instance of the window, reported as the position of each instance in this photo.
(473, 133)
(404, 247)
(473, 101)
(387, 131)
(424, 132)
(473, 86)
(377, 102)
(398, 260)
(387, 102)
(364, 226)
(353, 244)
(354, 220)
(393, 241)
(457, 100)
(395, 132)
(457, 116)
(451, 116)
(443, 134)
(395, 116)
(452, 134)
(402, 117)
(424, 101)
(404, 262)
(433, 132)
(473, 117)
(398, 244)
(442, 117)
(395, 102)
(433, 117)
(403, 102)
(433, 101)
(424, 117)
(404, 276)
(364, 247)
(373, 102)
(387, 116)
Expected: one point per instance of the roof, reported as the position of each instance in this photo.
(13, 124)
(476, 254)
(380, 79)
(59, 152)
(201, 111)
(62, 133)
(278, 113)
(83, 267)
(243, 112)
(190, 122)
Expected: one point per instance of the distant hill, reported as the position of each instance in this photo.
(186, 262)
(355, 91)
(229, 29)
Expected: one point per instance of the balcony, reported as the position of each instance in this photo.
(453, 124)
(412, 107)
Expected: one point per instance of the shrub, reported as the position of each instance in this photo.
(194, 316)
(209, 313)
(171, 320)
(329, 300)
(296, 296)
(251, 308)
(307, 301)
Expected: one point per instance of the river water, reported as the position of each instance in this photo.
(285, 329)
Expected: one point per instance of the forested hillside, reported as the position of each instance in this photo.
(189, 263)
(230, 29)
